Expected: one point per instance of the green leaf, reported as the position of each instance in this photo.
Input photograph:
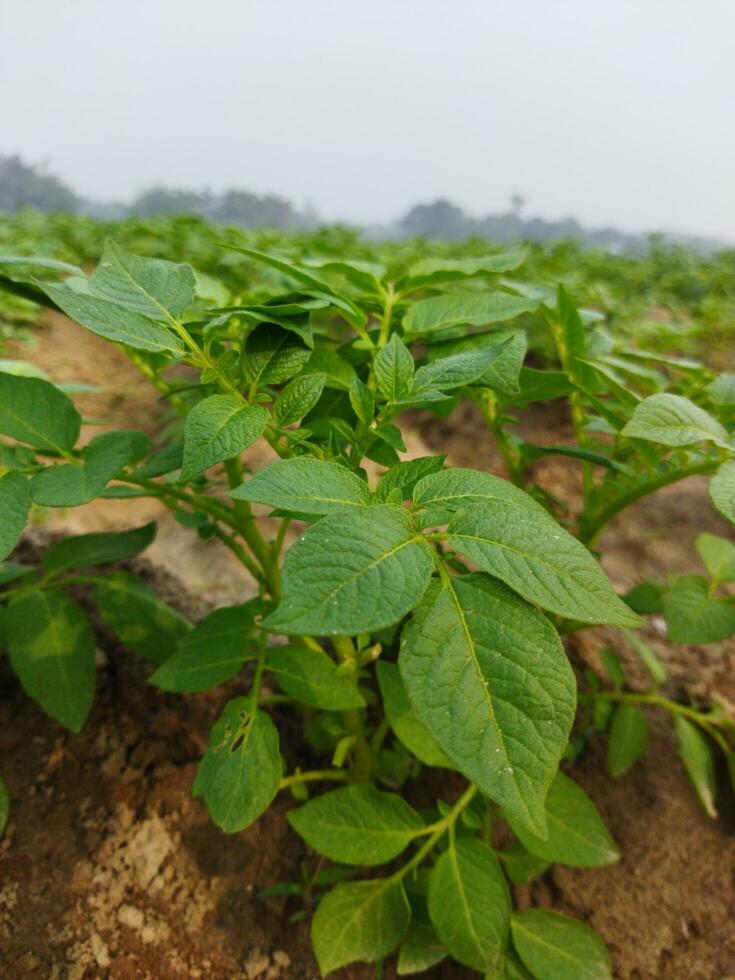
(353, 572)
(394, 369)
(218, 428)
(36, 413)
(241, 770)
(164, 461)
(4, 806)
(718, 555)
(311, 677)
(305, 486)
(362, 400)
(557, 947)
(359, 920)
(480, 665)
(469, 904)
(272, 355)
(15, 499)
(212, 652)
(541, 386)
(420, 949)
(504, 371)
(457, 489)
(74, 484)
(318, 287)
(537, 558)
(696, 754)
(138, 617)
(51, 648)
(427, 316)
(338, 371)
(404, 720)
(722, 389)
(114, 322)
(298, 398)
(404, 476)
(446, 373)
(10, 571)
(674, 421)
(722, 490)
(628, 739)
(577, 835)
(151, 287)
(520, 865)
(694, 616)
(99, 548)
(434, 272)
(357, 825)
(573, 341)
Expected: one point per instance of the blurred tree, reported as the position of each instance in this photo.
(26, 185)
(164, 200)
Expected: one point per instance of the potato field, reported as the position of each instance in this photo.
(367, 610)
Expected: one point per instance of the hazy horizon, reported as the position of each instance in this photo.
(616, 114)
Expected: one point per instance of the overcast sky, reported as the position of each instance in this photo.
(615, 111)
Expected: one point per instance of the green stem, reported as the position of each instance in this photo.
(594, 526)
(436, 831)
(315, 775)
(673, 707)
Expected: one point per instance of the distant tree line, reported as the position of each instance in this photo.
(25, 185)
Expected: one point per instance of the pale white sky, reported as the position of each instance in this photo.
(616, 111)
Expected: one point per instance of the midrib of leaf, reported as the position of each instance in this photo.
(57, 649)
(465, 903)
(531, 557)
(574, 833)
(447, 582)
(241, 761)
(358, 910)
(368, 568)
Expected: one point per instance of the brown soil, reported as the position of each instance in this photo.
(109, 869)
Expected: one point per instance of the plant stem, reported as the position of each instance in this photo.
(592, 527)
(314, 775)
(436, 830)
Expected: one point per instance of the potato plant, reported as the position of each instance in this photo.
(417, 620)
